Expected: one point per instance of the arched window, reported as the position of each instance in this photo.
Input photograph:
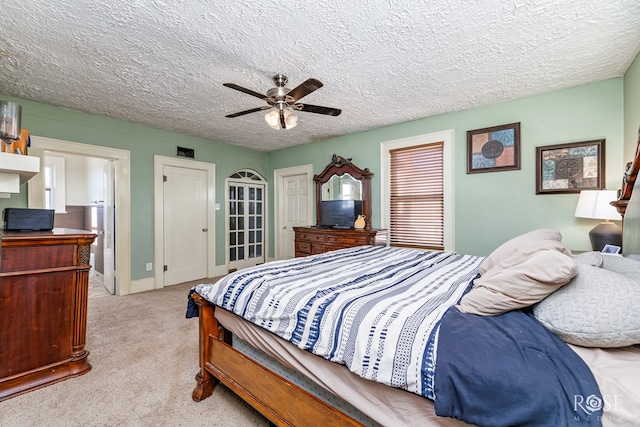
(245, 199)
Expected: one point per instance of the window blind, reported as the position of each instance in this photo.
(417, 196)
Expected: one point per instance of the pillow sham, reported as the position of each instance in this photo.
(518, 282)
(521, 247)
(598, 308)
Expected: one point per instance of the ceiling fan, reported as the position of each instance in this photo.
(283, 102)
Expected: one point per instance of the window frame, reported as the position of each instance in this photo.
(447, 138)
(55, 194)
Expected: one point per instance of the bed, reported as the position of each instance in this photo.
(394, 336)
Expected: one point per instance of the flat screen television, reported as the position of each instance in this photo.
(340, 213)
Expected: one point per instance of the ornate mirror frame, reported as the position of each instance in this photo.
(340, 166)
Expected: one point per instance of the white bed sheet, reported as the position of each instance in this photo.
(386, 405)
(617, 372)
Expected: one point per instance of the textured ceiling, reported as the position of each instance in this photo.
(162, 63)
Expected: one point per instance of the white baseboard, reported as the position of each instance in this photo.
(142, 285)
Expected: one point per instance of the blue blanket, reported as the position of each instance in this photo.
(509, 370)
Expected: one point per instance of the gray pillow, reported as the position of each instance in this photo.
(621, 265)
(597, 308)
(589, 258)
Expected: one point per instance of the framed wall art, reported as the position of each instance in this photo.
(493, 149)
(570, 168)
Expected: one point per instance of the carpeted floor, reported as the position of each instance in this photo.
(144, 354)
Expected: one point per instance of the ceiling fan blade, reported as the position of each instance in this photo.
(283, 124)
(253, 110)
(304, 89)
(245, 90)
(318, 109)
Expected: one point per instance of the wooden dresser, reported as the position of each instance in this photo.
(44, 280)
(317, 240)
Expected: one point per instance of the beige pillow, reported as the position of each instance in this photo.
(519, 248)
(512, 285)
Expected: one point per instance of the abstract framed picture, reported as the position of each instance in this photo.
(570, 168)
(493, 149)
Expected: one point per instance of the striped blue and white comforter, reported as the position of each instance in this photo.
(374, 309)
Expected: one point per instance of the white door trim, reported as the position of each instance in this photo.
(159, 162)
(278, 196)
(40, 144)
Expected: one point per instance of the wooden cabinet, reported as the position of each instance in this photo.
(316, 240)
(43, 308)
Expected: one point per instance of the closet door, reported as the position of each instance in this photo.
(245, 224)
(255, 223)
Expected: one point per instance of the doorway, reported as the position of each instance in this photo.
(80, 190)
(117, 162)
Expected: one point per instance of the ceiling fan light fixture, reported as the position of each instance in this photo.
(283, 102)
(273, 119)
(291, 119)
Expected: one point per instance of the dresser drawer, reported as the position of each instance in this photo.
(318, 249)
(315, 240)
(303, 247)
(311, 237)
(348, 240)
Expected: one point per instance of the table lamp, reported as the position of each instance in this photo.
(595, 204)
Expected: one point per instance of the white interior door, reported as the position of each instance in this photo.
(295, 210)
(185, 224)
(108, 216)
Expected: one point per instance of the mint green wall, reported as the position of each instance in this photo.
(631, 108)
(492, 207)
(143, 143)
(489, 207)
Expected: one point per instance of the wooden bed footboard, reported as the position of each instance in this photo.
(282, 402)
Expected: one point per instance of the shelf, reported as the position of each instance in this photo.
(15, 170)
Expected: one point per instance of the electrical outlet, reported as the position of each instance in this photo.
(149, 266)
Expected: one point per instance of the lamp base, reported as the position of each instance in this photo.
(605, 233)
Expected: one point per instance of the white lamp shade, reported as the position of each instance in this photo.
(595, 204)
(273, 119)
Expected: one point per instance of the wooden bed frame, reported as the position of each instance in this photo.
(279, 400)
(286, 404)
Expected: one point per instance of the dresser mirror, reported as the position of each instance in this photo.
(342, 180)
(343, 187)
